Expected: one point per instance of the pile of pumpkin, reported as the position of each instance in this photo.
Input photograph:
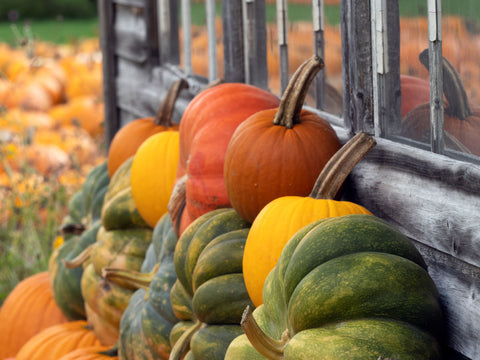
(226, 237)
(51, 117)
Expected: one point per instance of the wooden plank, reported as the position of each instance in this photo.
(130, 30)
(133, 3)
(357, 60)
(233, 42)
(168, 31)
(318, 22)
(255, 43)
(151, 34)
(106, 15)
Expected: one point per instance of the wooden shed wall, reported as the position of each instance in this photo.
(433, 199)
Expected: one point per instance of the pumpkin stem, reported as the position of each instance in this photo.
(341, 164)
(71, 228)
(270, 348)
(177, 202)
(182, 345)
(453, 88)
(165, 111)
(134, 278)
(291, 104)
(80, 259)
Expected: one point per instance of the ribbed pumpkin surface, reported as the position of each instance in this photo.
(89, 353)
(58, 340)
(27, 310)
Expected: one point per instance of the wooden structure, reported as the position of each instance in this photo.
(430, 194)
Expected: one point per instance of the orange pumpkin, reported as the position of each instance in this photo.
(127, 140)
(28, 309)
(91, 353)
(278, 152)
(57, 341)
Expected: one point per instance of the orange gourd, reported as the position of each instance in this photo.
(278, 152)
(28, 309)
(281, 218)
(57, 341)
(127, 140)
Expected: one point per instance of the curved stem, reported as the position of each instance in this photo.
(134, 278)
(183, 343)
(270, 348)
(80, 259)
(177, 202)
(165, 111)
(336, 170)
(292, 101)
(453, 88)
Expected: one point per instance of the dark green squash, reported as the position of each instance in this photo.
(147, 321)
(346, 287)
(209, 295)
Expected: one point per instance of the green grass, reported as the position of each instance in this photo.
(56, 31)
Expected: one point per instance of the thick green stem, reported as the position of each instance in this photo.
(182, 345)
(453, 89)
(270, 348)
(340, 165)
(165, 111)
(133, 278)
(80, 259)
(292, 101)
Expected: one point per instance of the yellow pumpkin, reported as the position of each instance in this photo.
(281, 218)
(154, 170)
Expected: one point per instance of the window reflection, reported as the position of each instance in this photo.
(461, 49)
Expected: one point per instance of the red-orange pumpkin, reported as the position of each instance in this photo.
(205, 130)
(27, 310)
(129, 138)
(279, 152)
(415, 91)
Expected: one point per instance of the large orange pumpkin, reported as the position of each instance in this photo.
(284, 216)
(278, 152)
(205, 130)
(127, 140)
(57, 341)
(91, 353)
(27, 310)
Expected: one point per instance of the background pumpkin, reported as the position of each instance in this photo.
(278, 152)
(57, 341)
(28, 309)
(205, 130)
(128, 139)
(361, 290)
(91, 353)
(282, 217)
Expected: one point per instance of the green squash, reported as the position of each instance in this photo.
(209, 295)
(149, 318)
(345, 287)
(66, 281)
(119, 210)
(78, 231)
(121, 243)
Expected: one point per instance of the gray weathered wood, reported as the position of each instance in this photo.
(233, 42)
(108, 43)
(357, 65)
(282, 26)
(318, 22)
(255, 35)
(387, 92)
(168, 31)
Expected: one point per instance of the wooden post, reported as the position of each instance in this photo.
(106, 14)
(233, 44)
